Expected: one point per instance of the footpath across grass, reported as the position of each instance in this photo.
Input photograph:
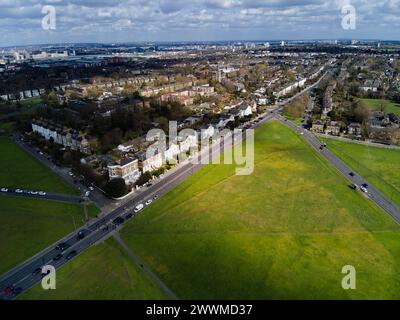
(27, 226)
(104, 272)
(284, 232)
(380, 166)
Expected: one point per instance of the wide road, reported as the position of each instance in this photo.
(373, 193)
(41, 195)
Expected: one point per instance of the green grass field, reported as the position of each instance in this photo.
(375, 105)
(20, 170)
(284, 232)
(380, 166)
(103, 272)
(28, 226)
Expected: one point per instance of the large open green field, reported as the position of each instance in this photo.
(284, 232)
(381, 166)
(28, 226)
(103, 272)
(20, 170)
(375, 105)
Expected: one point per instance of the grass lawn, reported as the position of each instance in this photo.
(375, 105)
(284, 232)
(20, 170)
(28, 226)
(116, 276)
(380, 166)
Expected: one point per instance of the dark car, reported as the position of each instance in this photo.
(129, 216)
(58, 257)
(365, 185)
(118, 221)
(17, 291)
(71, 255)
(351, 174)
(81, 235)
(62, 246)
(37, 271)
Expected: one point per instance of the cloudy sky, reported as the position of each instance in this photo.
(182, 20)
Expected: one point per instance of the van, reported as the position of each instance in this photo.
(138, 208)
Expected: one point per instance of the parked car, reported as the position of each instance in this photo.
(58, 257)
(72, 254)
(118, 221)
(155, 197)
(364, 189)
(149, 202)
(139, 208)
(129, 216)
(81, 235)
(42, 193)
(62, 246)
(19, 191)
(4, 190)
(351, 174)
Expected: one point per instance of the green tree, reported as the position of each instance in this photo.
(116, 188)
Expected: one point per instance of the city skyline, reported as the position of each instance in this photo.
(110, 21)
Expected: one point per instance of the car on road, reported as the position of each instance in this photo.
(36, 271)
(33, 193)
(364, 189)
(16, 291)
(19, 191)
(58, 257)
(149, 202)
(42, 193)
(41, 153)
(139, 208)
(118, 221)
(91, 188)
(351, 174)
(155, 197)
(129, 216)
(81, 235)
(354, 186)
(365, 185)
(72, 254)
(4, 190)
(62, 246)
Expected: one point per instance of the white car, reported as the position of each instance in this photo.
(4, 190)
(34, 193)
(149, 202)
(42, 193)
(364, 189)
(19, 191)
(139, 208)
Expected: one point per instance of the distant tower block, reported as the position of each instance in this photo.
(283, 43)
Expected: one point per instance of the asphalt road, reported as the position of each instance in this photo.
(42, 196)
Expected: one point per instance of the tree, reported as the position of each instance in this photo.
(144, 178)
(116, 188)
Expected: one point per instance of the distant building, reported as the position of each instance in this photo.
(318, 127)
(333, 128)
(127, 169)
(354, 129)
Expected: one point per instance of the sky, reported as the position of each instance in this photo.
(112, 21)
